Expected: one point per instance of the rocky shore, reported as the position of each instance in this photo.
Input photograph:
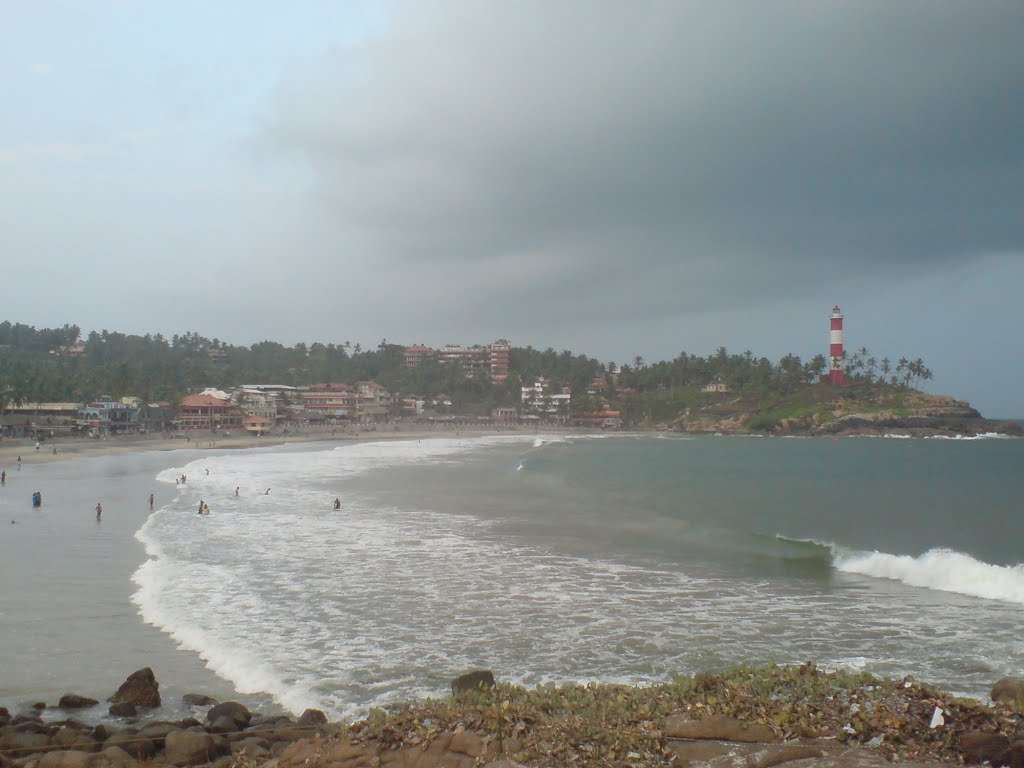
(751, 717)
(914, 414)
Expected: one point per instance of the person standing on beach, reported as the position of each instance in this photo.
(3, 478)
(99, 510)
(337, 503)
(202, 506)
(19, 462)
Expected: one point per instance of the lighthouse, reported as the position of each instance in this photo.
(835, 347)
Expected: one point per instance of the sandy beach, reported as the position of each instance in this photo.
(69, 448)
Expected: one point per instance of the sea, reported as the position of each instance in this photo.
(549, 559)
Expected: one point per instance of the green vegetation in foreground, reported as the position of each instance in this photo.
(601, 725)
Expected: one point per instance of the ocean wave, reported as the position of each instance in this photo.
(540, 442)
(940, 569)
(982, 436)
(159, 590)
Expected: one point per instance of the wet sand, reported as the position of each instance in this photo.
(77, 447)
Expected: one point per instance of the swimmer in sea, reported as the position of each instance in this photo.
(266, 492)
(337, 503)
(99, 510)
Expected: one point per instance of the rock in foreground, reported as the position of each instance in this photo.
(141, 689)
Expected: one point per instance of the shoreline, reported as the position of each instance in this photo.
(12, 448)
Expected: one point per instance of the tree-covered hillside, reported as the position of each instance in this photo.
(54, 365)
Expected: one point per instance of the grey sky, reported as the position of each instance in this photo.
(614, 178)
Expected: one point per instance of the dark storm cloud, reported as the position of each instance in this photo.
(688, 154)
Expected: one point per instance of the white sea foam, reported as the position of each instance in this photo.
(941, 569)
(981, 436)
(380, 603)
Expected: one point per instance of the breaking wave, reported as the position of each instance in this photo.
(941, 569)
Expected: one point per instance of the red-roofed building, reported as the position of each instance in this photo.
(604, 419)
(208, 412)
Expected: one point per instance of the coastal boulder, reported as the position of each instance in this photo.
(198, 700)
(473, 681)
(252, 747)
(33, 726)
(1008, 690)
(138, 747)
(65, 759)
(74, 740)
(19, 744)
(157, 731)
(141, 689)
(74, 701)
(977, 748)
(222, 724)
(123, 709)
(312, 717)
(184, 748)
(717, 727)
(239, 713)
(112, 757)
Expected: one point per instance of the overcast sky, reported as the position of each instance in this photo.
(615, 178)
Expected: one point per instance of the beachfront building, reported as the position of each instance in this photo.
(106, 416)
(505, 414)
(333, 401)
(542, 398)
(39, 419)
(256, 425)
(205, 411)
(374, 402)
(257, 403)
(605, 418)
(412, 406)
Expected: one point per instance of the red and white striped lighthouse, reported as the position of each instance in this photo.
(835, 347)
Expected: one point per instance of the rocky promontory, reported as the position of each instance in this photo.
(750, 717)
(862, 410)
